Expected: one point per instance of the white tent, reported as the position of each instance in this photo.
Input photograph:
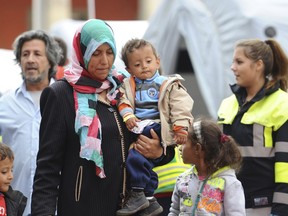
(209, 30)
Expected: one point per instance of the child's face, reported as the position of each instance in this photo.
(189, 154)
(6, 174)
(142, 63)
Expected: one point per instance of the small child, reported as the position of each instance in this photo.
(210, 187)
(148, 100)
(11, 202)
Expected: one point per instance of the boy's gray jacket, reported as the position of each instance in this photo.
(174, 104)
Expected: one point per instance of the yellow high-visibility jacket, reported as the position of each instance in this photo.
(168, 173)
(261, 131)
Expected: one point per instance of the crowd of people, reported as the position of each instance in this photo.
(88, 140)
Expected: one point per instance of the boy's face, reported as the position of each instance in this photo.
(6, 174)
(142, 63)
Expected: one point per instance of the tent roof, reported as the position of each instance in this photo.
(209, 30)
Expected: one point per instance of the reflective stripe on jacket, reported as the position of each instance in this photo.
(168, 173)
(265, 150)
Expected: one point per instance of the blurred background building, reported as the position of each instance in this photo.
(194, 38)
(18, 16)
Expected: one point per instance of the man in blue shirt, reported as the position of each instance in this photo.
(37, 55)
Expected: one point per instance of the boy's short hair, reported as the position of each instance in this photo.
(5, 151)
(133, 44)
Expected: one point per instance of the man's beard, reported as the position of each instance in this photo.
(33, 79)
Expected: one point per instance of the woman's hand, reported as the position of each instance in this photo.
(149, 147)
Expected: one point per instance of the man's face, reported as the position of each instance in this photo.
(34, 63)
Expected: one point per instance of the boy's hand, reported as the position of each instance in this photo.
(131, 123)
(180, 138)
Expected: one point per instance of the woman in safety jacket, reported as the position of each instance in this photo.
(256, 115)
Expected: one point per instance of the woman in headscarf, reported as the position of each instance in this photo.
(83, 140)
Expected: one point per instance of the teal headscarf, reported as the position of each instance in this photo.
(93, 34)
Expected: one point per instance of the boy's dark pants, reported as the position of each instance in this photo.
(140, 168)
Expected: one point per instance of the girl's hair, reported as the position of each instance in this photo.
(5, 151)
(133, 44)
(220, 150)
(53, 50)
(274, 59)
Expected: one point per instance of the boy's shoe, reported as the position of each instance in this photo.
(154, 209)
(136, 202)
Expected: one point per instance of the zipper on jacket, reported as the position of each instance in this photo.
(123, 195)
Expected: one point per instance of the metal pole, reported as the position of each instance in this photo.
(37, 14)
(91, 9)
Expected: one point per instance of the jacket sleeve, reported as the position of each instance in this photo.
(234, 200)
(181, 105)
(280, 196)
(124, 105)
(166, 158)
(53, 130)
(175, 204)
